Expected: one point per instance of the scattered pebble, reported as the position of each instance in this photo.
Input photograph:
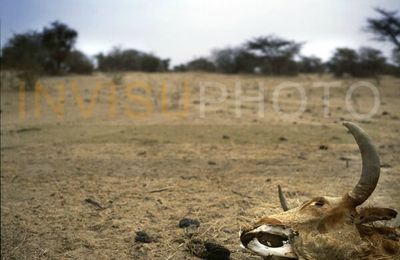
(208, 250)
(187, 222)
(385, 113)
(225, 137)
(323, 147)
(142, 237)
(211, 163)
(282, 139)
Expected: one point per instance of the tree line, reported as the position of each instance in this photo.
(52, 52)
(273, 55)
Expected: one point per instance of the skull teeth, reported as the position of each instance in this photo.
(269, 240)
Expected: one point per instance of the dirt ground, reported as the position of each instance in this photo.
(147, 168)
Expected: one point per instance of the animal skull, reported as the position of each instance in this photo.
(330, 227)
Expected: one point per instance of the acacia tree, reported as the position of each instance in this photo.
(58, 40)
(344, 61)
(225, 59)
(24, 53)
(386, 28)
(371, 63)
(311, 64)
(276, 54)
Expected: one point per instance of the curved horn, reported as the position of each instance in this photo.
(282, 199)
(370, 165)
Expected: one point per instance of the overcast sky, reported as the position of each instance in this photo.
(182, 30)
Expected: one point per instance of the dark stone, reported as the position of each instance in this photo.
(323, 147)
(211, 163)
(187, 222)
(282, 139)
(225, 137)
(142, 237)
(216, 252)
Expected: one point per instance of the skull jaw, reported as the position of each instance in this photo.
(271, 249)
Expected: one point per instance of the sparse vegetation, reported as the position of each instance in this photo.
(50, 52)
(79, 63)
(386, 28)
(25, 54)
(117, 77)
(131, 60)
(58, 41)
(367, 62)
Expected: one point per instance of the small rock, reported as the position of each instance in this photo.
(216, 252)
(211, 163)
(142, 237)
(187, 222)
(225, 137)
(323, 147)
(143, 153)
(208, 250)
(385, 113)
(282, 139)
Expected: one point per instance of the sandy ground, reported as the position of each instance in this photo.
(148, 168)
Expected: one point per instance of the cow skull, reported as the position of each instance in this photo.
(329, 227)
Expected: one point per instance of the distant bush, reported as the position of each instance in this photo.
(225, 60)
(200, 64)
(180, 68)
(271, 55)
(391, 69)
(344, 61)
(117, 77)
(79, 63)
(24, 53)
(311, 64)
(33, 54)
(367, 62)
(131, 60)
(58, 41)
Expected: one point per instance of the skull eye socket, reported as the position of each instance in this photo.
(319, 203)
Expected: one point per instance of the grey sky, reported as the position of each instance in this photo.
(182, 30)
